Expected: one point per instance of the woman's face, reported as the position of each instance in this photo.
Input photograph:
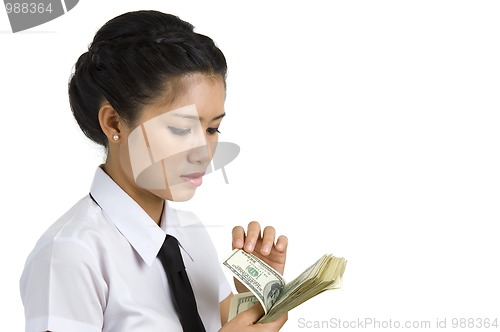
(168, 152)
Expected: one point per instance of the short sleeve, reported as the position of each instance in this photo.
(63, 289)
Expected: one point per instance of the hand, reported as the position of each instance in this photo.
(262, 245)
(245, 322)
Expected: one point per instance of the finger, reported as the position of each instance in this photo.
(267, 240)
(253, 234)
(282, 243)
(238, 237)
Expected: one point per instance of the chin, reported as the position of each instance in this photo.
(182, 198)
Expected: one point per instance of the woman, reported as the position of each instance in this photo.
(151, 91)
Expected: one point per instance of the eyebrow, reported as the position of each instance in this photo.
(194, 117)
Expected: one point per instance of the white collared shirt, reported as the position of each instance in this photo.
(95, 269)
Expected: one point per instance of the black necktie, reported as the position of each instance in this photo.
(180, 287)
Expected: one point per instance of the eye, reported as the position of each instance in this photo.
(179, 131)
(212, 131)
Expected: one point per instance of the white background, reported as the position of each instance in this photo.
(368, 129)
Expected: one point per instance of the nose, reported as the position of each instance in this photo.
(203, 151)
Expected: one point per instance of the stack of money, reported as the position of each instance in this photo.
(268, 287)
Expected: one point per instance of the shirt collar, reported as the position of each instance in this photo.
(176, 226)
(132, 221)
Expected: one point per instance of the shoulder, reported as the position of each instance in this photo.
(81, 228)
(62, 283)
(67, 257)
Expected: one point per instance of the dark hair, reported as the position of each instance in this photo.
(133, 59)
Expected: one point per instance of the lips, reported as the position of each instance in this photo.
(195, 179)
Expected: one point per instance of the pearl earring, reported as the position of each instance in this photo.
(116, 137)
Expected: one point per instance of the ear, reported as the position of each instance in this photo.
(110, 121)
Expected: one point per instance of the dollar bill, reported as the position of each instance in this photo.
(261, 279)
(241, 302)
(325, 274)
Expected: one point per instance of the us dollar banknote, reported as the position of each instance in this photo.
(241, 302)
(261, 279)
(268, 288)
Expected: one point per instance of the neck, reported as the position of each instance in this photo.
(150, 203)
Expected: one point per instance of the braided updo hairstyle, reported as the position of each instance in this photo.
(133, 59)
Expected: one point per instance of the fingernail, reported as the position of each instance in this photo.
(265, 249)
(238, 243)
(249, 246)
